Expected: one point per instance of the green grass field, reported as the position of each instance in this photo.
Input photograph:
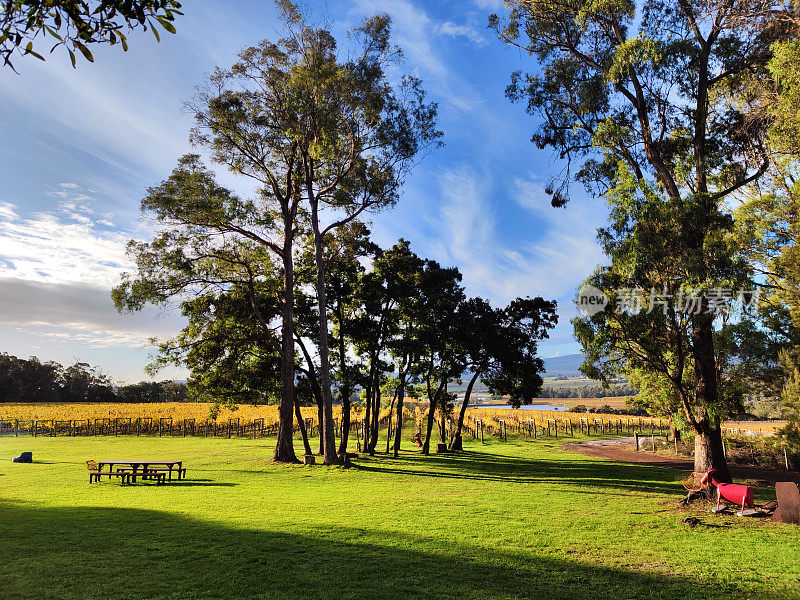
(520, 519)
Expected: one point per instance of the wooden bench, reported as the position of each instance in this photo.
(180, 471)
(159, 473)
(125, 474)
(95, 473)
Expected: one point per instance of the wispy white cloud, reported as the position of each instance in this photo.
(466, 31)
(91, 338)
(560, 253)
(118, 127)
(416, 33)
(581, 217)
(7, 211)
(61, 246)
(551, 264)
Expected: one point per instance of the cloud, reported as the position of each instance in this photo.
(81, 313)
(465, 31)
(61, 246)
(563, 253)
(560, 252)
(415, 33)
(101, 115)
(7, 211)
(57, 269)
(71, 322)
(568, 250)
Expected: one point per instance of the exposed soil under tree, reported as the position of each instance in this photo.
(620, 450)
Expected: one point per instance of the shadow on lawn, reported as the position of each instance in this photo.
(79, 552)
(200, 483)
(480, 466)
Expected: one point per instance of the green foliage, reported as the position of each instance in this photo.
(790, 403)
(318, 129)
(645, 98)
(513, 367)
(208, 257)
(632, 56)
(33, 381)
(388, 313)
(785, 70)
(152, 391)
(656, 394)
(77, 24)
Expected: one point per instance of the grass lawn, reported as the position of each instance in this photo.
(520, 519)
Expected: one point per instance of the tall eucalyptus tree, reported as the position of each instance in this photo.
(357, 137)
(644, 96)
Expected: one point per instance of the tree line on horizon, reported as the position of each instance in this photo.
(31, 380)
(588, 391)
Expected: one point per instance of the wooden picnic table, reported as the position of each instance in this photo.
(177, 465)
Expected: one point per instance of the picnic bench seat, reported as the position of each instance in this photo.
(156, 471)
(124, 474)
(95, 473)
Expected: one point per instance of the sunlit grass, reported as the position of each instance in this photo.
(519, 519)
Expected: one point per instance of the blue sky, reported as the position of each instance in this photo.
(79, 147)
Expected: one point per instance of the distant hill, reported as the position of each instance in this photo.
(557, 366)
(563, 366)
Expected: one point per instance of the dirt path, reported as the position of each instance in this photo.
(621, 450)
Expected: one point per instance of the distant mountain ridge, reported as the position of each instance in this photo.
(563, 366)
(556, 366)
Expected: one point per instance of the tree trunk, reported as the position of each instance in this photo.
(674, 432)
(326, 429)
(443, 415)
(284, 448)
(320, 416)
(376, 413)
(389, 428)
(456, 443)
(433, 399)
(345, 389)
(376, 417)
(345, 424)
(709, 452)
(368, 411)
(398, 428)
(315, 388)
(302, 425)
(426, 446)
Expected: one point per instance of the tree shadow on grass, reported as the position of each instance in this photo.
(51, 462)
(200, 483)
(79, 552)
(480, 466)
